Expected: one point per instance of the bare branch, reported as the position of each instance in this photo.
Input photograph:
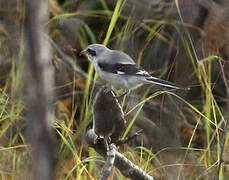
(126, 167)
(107, 168)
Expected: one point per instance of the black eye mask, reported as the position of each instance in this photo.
(91, 52)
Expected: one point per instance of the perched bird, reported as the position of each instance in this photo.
(119, 69)
(108, 116)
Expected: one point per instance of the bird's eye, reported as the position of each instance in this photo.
(91, 52)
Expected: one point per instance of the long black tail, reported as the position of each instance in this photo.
(165, 83)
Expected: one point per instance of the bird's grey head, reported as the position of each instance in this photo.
(93, 51)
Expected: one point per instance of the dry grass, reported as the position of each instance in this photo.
(183, 131)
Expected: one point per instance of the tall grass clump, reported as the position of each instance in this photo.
(185, 132)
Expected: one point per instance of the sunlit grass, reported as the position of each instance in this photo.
(203, 71)
(75, 159)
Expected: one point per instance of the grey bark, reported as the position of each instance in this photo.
(38, 81)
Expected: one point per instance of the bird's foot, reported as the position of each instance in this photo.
(96, 139)
(108, 89)
(128, 138)
(123, 94)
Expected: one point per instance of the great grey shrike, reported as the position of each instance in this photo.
(119, 69)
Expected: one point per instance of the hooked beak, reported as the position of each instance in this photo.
(83, 52)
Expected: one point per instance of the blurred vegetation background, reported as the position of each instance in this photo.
(183, 41)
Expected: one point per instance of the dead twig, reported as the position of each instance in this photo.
(107, 168)
(125, 166)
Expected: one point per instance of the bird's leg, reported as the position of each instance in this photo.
(128, 138)
(96, 140)
(108, 89)
(123, 94)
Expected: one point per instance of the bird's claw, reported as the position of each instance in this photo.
(123, 94)
(96, 139)
(108, 89)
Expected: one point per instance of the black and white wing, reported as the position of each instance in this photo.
(124, 69)
(134, 70)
